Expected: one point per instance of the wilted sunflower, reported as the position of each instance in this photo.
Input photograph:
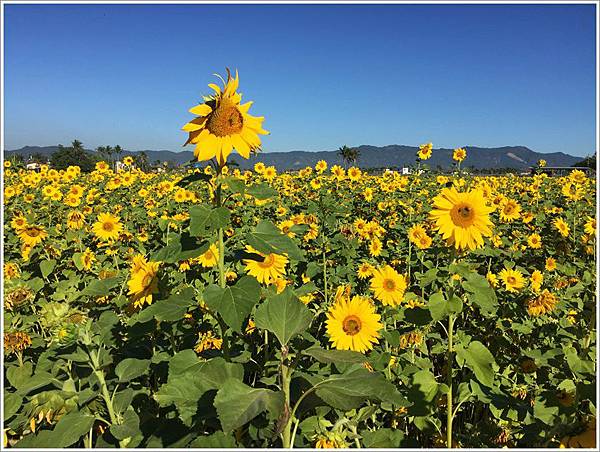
(223, 124)
(353, 324)
(388, 286)
(271, 268)
(32, 235)
(108, 227)
(462, 218)
(542, 304)
(75, 219)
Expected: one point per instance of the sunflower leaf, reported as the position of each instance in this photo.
(204, 220)
(267, 238)
(284, 315)
(234, 303)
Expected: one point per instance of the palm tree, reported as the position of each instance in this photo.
(348, 155)
(141, 160)
(77, 145)
(118, 151)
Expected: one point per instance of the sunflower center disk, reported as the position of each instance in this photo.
(511, 280)
(351, 325)
(225, 120)
(268, 261)
(108, 227)
(33, 232)
(462, 215)
(388, 284)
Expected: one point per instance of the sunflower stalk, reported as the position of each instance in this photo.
(449, 381)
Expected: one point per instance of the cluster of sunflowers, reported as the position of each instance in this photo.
(324, 308)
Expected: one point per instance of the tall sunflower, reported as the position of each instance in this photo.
(462, 218)
(223, 124)
(267, 270)
(353, 324)
(143, 282)
(32, 235)
(388, 285)
(107, 227)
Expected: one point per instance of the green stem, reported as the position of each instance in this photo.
(325, 275)
(286, 377)
(449, 380)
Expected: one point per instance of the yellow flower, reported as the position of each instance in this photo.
(32, 235)
(87, 259)
(542, 304)
(364, 270)
(11, 270)
(271, 267)
(550, 264)
(128, 160)
(353, 325)
(388, 285)
(354, 174)
(210, 258)
(590, 226)
(542, 163)
(18, 222)
(492, 279)
(259, 167)
(534, 241)
(537, 278)
(513, 279)
(425, 151)
(375, 247)
(510, 210)
(107, 227)
(143, 281)
(561, 226)
(321, 166)
(223, 124)
(459, 154)
(462, 218)
(208, 341)
(75, 220)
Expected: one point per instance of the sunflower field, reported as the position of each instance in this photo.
(326, 308)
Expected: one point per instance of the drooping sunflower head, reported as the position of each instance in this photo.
(353, 324)
(542, 304)
(224, 124)
(31, 235)
(462, 218)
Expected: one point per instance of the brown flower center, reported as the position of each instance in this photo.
(33, 232)
(108, 226)
(511, 280)
(462, 215)
(389, 285)
(225, 120)
(268, 261)
(351, 325)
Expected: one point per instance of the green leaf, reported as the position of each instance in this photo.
(335, 356)
(218, 440)
(382, 438)
(479, 359)
(481, 293)
(234, 303)
(170, 310)
(440, 308)
(180, 247)
(131, 368)
(12, 403)
(47, 266)
(284, 315)
(204, 220)
(261, 191)
(69, 429)
(129, 427)
(267, 239)
(189, 379)
(100, 287)
(237, 403)
(349, 390)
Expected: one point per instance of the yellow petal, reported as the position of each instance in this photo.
(201, 110)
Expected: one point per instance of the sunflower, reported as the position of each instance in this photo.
(271, 268)
(87, 259)
(18, 222)
(364, 270)
(510, 210)
(143, 282)
(321, 166)
(561, 226)
(537, 278)
(375, 247)
(354, 174)
(32, 235)
(542, 304)
(353, 324)
(462, 218)
(208, 341)
(108, 227)
(534, 241)
(590, 226)
(223, 124)
(210, 258)
(425, 151)
(542, 163)
(550, 264)
(75, 220)
(459, 154)
(513, 279)
(388, 285)
(11, 270)
(416, 232)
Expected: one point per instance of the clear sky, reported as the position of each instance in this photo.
(322, 75)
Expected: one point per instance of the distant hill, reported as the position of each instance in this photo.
(517, 157)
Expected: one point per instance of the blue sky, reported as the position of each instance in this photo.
(322, 75)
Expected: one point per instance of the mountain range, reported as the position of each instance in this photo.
(517, 157)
